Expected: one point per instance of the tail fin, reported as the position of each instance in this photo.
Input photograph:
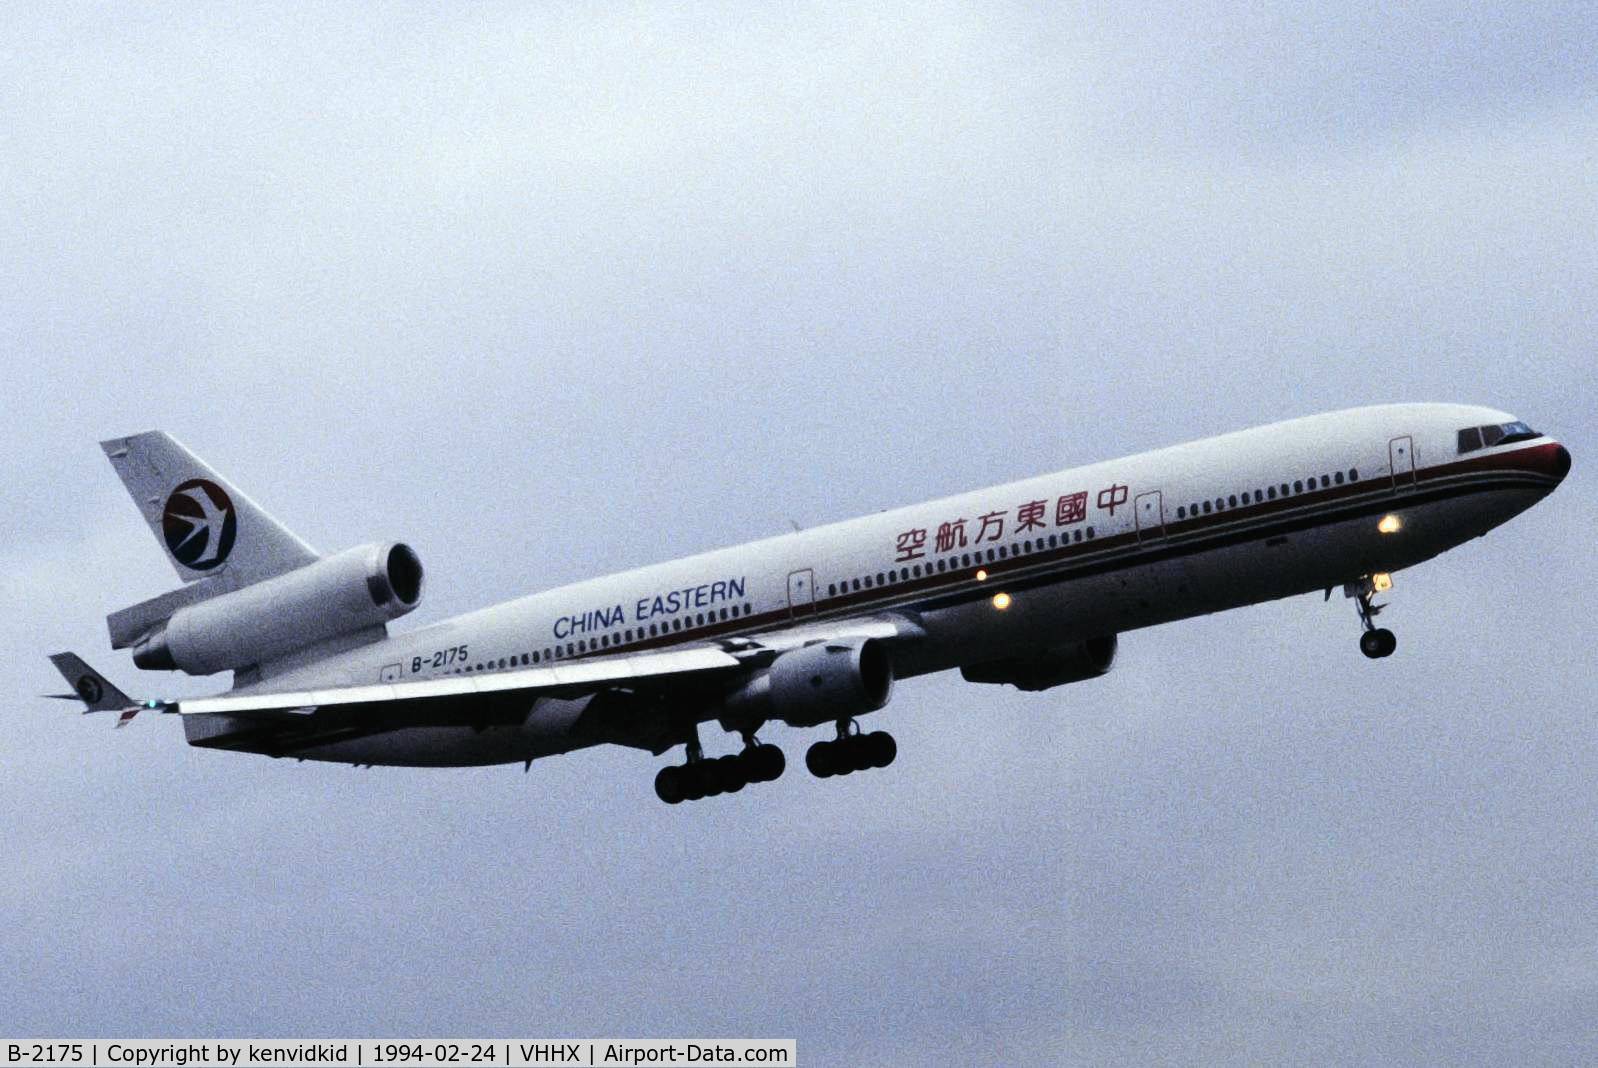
(97, 693)
(217, 538)
(207, 527)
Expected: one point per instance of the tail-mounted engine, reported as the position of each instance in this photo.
(1048, 668)
(818, 684)
(338, 595)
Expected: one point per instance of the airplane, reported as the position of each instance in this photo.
(1027, 584)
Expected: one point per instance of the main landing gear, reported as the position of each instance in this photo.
(728, 774)
(851, 751)
(1376, 642)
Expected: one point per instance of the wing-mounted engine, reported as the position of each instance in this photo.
(818, 683)
(1048, 668)
(338, 595)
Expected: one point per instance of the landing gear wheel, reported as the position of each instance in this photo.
(766, 763)
(880, 749)
(690, 782)
(1378, 643)
(733, 773)
(821, 760)
(713, 773)
(669, 785)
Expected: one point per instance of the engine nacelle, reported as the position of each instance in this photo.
(342, 594)
(1048, 667)
(818, 684)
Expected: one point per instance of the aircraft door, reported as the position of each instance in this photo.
(801, 593)
(1401, 451)
(1149, 512)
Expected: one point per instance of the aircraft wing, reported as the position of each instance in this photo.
(581, 676)
(659, 670)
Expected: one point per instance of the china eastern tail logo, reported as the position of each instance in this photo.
(89, 689)
(199, 524)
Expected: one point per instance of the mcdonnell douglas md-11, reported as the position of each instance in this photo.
(1027, 584)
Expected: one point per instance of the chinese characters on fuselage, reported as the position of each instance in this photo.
(1069, 509)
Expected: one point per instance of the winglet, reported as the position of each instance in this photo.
(96, 692)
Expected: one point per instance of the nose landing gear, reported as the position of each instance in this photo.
(1376, 642)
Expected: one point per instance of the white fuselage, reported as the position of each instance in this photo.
(1078, 554)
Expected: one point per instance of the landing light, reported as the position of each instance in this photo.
(1381, 582)
(982, 574)
(1390, 524)
(1001, 601)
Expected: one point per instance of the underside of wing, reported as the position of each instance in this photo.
(808, 674)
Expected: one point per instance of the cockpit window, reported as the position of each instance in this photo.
(1517, 432)
(1472, 438)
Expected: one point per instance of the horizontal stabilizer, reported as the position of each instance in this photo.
(89, 686)
(97, 693)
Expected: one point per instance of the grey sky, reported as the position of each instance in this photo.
(552, 293)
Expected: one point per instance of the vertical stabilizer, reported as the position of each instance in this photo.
(208, 529)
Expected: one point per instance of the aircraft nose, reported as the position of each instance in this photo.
(1561, 462)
